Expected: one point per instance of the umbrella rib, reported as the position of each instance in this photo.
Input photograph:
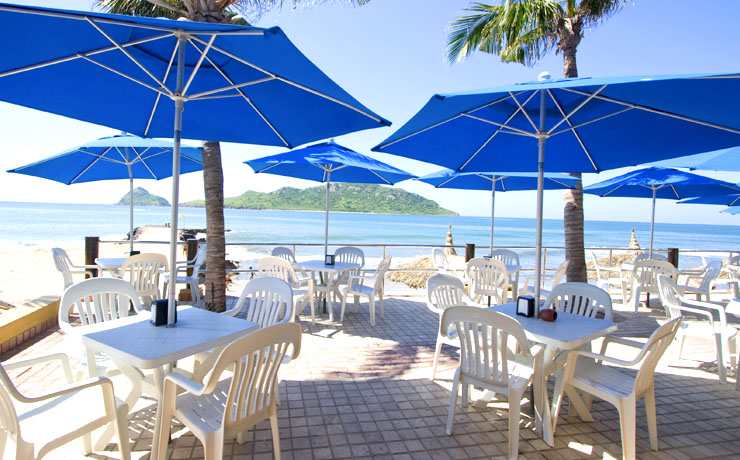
(146, 85)
(577, 108)
(612, 190)
(142, 161)
(559, 182)
(657, 111)
(299, 86)
(443, 183)
(732, 203)
(87, 168)
(593, 120)
(501, 126)
(128, 55)
(380, 177)
(170, 65)
(521, 108)
(575, 133)
(203, 54)
(246, 98)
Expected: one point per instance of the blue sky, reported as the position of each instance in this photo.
(390, 55)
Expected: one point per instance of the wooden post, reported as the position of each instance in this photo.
(673, 256)
(469, 251)
(192, 250)
(92, 244)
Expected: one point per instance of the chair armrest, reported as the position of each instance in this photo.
(71, 388)
(620, 340)
(708, 308)
(28, 362)
(360, 278)
(184, 382)
(575, 354)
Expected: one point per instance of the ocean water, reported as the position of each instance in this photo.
(49, 224)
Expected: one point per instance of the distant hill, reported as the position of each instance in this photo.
(343, 198)
(143, 198)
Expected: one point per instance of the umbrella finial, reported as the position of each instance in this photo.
(543, 76)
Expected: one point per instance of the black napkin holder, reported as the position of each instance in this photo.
(525, 306)
(159, 312)
(329, 259)
(134, 253)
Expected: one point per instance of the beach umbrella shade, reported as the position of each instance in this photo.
(123, 156)
(657, 182)
(497, 182)
(716, 160)
(584, 125)
(329, 162)
(172, 79)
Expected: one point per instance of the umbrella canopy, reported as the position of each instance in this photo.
(496, 182)
(717, 160)
(656, 182)
(123, 156)
(240, 84)
(727, 200)
(585, 124)
(327, 162)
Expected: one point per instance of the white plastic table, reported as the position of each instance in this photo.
(135, 341)
(568, 332)
(111, 264)
(329, 277)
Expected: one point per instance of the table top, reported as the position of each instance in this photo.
(568, 332)
(136, 341)
(107, 263)
(319, 265)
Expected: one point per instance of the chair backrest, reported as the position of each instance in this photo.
(269, 301)
(97, 300)
(488, 277)
(557, 278)
(646, 273)
(64, 265)
(439, 258)
(256, 359)
(351, 255)
(651, 353)
(711, 272)
(580, 299)
(9, 422)
(276, 267)
(383, 267)
(670, 298)
(283, 253)
(598, 267)
(200, 258)
(734, 260)
(506, 256)
(484, 335)
(444, 291)
(142, 270)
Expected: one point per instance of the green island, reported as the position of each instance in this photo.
(343, 198)
(143, 198)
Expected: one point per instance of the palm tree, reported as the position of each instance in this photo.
(217, 11)
(524, 31)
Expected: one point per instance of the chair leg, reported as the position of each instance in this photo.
(437, 350)
(194, 291)
(720, 357)
(344, 306)
(86, 444)
(627, 424)
(275, 435)
(371, 305)
(122, 431)
(382, 309)
(557, 397)
(515, 407)
(213, 445)
(651, 418)
(312, 302)
(453, 401)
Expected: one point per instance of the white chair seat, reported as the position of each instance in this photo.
(704, 329)
(603, 378)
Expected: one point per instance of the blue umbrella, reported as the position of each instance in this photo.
(240, 84)
(727, 200)
(588, 125)
(496, 182)
(123, 156)
(327, 162)
(717, 160)
(657, 182)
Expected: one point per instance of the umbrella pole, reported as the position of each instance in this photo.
(326, 214)
(131, 203)
(493, 206)
(176, 180)
(540, 188)
(652, 223)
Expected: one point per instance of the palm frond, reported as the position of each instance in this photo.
(173, 9)
(595, 12)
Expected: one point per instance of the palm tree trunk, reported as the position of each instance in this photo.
(573, 199)
(213, 180)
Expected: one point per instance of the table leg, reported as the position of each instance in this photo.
(159, 373)
(543, 419)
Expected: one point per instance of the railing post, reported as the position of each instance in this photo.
(673, 256)
(192, 250)
(92, 244)
(469, 251)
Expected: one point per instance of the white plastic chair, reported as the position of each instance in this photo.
(192, 280)
(545, 289)
(369, 286)
(303, 289)
(98, 300)
(586, 372)
(39, 424)
(644, 278)
(707, 281)
(65, 266)
(509, 258)
(488, 278)
(218, 410)
(604, 278)
(283, 253)
(485, 362)
(445, 265)
(732, 268)
(143, 270)
(445, 291)
(723, 336)
(580, 299)
(352, 255)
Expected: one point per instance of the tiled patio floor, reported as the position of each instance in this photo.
(359, 391)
